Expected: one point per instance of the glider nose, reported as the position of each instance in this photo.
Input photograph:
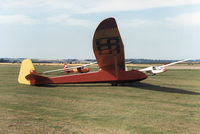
(87, 69)
(165, 69)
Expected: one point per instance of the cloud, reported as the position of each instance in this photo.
(19, 19)
(133, 5)
(92, 6)
(58, 18)
(187, 19)
(184, 19)
(65, 19)
(61, 19)
(136, 23)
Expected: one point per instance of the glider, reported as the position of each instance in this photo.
(79, 69)
(109, 52)
(153, 70)
(75, 69)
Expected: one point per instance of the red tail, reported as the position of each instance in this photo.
(65, 66)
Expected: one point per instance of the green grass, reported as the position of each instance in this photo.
(165, 103)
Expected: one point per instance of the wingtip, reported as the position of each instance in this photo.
(107, 23)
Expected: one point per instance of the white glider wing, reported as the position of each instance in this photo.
(159, 69)
(174, 63)
(66, 69)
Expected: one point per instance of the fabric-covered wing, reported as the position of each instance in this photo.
(108, 46)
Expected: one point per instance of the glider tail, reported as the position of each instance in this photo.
(65, 66)
(26, 68)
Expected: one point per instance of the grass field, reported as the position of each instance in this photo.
(165, 103)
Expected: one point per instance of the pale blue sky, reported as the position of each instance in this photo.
(63, 29)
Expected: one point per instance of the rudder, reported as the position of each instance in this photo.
(26, 67)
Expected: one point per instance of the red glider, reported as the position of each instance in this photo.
(81, 69)
(75, 69)
(109, 52)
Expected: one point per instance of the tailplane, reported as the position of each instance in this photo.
(26, 68)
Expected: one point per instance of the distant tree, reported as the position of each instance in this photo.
(1, 60)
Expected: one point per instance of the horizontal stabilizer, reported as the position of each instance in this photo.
(35, 78)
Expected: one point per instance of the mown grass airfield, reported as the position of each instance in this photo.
(165, 103)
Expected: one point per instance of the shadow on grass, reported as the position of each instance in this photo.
(162, 89)
(140, 85)
(75, 85)
(46, 85)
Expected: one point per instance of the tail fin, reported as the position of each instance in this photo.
(65, 66)
(25, 69)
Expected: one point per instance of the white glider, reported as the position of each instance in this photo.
(159, 69)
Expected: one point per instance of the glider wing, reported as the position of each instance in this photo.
(108, 46)
(66, 69)
(174, 63)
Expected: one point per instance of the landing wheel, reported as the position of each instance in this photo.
(114, 84)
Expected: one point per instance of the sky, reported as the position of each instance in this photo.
(64, 29)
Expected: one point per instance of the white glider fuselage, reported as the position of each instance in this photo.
(154, 70)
